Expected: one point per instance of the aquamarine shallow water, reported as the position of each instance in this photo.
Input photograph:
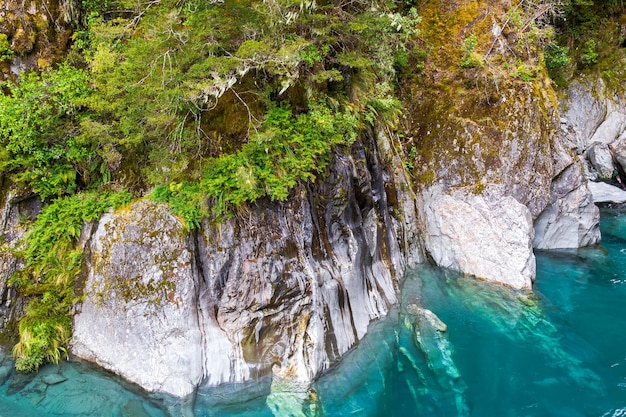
(559, 352)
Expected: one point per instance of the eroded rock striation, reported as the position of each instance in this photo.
(282, 289)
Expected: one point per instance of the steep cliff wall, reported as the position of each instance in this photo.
(281, 288)
(495, 174)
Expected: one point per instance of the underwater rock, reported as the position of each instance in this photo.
(430, 339)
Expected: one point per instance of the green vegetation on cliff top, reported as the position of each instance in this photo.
(211, 105)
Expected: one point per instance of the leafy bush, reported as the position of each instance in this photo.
(37, 139)
(287, 149)
(589, 56)
(556, 57)
(470, 58)
(5, 49)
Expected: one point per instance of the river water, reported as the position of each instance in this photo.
(501, 353)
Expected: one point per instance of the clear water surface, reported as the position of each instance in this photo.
(558, 352)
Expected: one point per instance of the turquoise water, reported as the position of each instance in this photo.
(558, 352)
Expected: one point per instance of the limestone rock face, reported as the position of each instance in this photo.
(139, 318)
(281, 288)
(599, 158)
(518, 164)
(585, 109)
(490, 238)
(597, 116)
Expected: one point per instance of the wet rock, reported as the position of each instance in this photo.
(490, 238)
(134, 408)
(19, 381)
(429, 336)
(292, 287)
(53, 379)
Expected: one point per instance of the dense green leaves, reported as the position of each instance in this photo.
(286, 150)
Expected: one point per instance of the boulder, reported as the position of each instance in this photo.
(139, 318)
(610, 129)
(585, 107)
(486, 235)
(605, 193)
(600, 158)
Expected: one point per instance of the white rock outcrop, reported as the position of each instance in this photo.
(139, 318)
(284, 290)
(606, 193)
(571, 219)
(490, 238)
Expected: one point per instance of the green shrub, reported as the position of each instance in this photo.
(287, 149)
(556, 57)
(5, 50)
(470, 58)
(589, 56)
(39, 151)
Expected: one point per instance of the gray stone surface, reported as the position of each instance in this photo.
(485, 235)
(606, 193)
(570, 220)
(281, 288)
(599, 157)
(611, 128)
(139, 318)
(585, 108)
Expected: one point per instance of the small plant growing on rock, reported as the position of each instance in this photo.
(470, 59)
(589, 56)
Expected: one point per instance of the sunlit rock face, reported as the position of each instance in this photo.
(501, 184)
(596, 115)
(571, 219)
(280, 288)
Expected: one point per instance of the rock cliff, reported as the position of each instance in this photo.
(285, 289)
(281, 288)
